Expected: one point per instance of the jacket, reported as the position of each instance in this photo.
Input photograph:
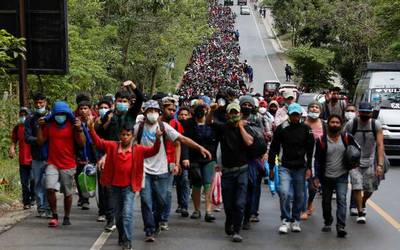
(293, 142)
(39, 153)
(139, 153)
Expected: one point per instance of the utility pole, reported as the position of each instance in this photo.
(23, 72)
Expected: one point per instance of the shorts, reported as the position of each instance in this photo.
(364, 179)
(201, 174)
(60, 179)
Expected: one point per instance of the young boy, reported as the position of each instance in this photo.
(123, 172)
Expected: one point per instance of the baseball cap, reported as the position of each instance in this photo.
(288, 93)
(264, 104)
(295, 108)
(233, 106)
(152, 104)
(365, 107)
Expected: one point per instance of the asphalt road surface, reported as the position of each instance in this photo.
(382, 230)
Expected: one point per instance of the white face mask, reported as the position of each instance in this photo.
(313, 115)
(349, 115)
(152, 117)
(262, 110)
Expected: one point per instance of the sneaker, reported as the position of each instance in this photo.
(150, 238)
(184, 213)
(178, 210)
(41, 214)
(66, 221)
(110, 227)
(284, 228)
(327, 229)
(209, 217)
(341, 233)
(254, 218)
(101, 218)
(237, 238)
(53, 223)
(353, 211)
(164, 226)
(26, 207)
(127, 246)
(85, 206)
(217, 209)
(246, 225)
(196, 215)
(296, 227)
(361, 220)
(48, 214)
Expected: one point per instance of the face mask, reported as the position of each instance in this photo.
(273, 112)
(21, 120)
(334, 130)
(262, 110)
(349, 115)
(103, 112)
(122, 107)
(221, 102)
(313, 115)
(246, 111)
(41, 110)
(152, 117)
(60, 119)
(234, 119)
(364, 118)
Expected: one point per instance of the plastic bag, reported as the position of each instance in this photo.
(216, 192)
(272, 185)
(87, 181)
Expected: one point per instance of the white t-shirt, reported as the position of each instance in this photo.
(157, 164)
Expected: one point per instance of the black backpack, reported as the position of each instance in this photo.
(259, 146)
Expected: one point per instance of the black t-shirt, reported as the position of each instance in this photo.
(233, 148)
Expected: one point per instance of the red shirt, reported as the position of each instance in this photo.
(18, 136)
(61, 145)
(131, 171)
(169, 145)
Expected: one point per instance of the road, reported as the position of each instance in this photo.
(382, 230)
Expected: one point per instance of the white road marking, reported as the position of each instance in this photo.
(99, 243)
(263, 46)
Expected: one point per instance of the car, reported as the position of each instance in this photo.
(242, 2)
(228, 2)
(306, 98)
(244, 10)
(271, 88)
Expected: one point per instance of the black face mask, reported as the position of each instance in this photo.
(246, 111)
(272, 112)
(364, 118)
(334, 130)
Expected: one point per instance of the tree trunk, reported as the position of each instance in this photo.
(153, 79)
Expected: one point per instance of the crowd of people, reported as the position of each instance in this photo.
(144, 146)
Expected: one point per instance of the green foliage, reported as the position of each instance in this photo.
(10, 49)
(11, 189)
(8, 119)
(312, 66)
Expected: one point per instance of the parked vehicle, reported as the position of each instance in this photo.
(228, 2)
(271, 88)
(242, 2)
(244, 10)
(380, 85)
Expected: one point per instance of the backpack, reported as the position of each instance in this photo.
(259, 146)
(141, 128)
(352, 152)
(354, 129)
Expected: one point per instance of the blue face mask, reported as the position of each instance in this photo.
(122, 107)
(103, 112)
(60, 119)
(21, 120)
(41, 110)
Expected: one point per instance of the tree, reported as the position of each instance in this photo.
(10, 49)
(313, 66)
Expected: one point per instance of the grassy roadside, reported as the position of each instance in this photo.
(10, 188)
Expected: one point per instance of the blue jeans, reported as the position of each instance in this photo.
(183, 189)
(340, 185)
(28, 192)
(167, 209)
(124, 198)
(253, 191)
(38, 168)
(153, 200)
(292, 183)
(234, 189)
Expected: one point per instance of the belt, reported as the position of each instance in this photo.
(229, 170)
